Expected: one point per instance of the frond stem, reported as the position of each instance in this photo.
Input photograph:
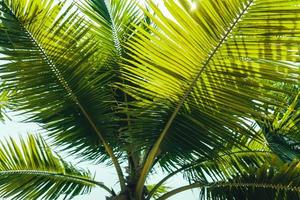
(181, 189)
(195, 163)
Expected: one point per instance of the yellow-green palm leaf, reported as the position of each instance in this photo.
(30, 170)
(282, 130)
(200, 73)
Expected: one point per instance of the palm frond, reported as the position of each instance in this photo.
(268, 182)
(47, 56)
(282, 131)
(112, 23)
(200, 73)
(30, 170)
(49, 53)
(5, 101)
(223, 167)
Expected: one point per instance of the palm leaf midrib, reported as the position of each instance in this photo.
(115, 36)
(108, 17)
(276, 186)
(60, 78)
(45, 172)
(204, 67)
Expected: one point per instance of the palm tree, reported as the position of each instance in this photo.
(192, 90)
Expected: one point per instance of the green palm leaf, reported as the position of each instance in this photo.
(112, 23)
(282, 131)
(5, 102)
(273, 180)
(268, 182)
(181, 89)
(201, 72)
(30, 170)
(49, 54)
(223, 167)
